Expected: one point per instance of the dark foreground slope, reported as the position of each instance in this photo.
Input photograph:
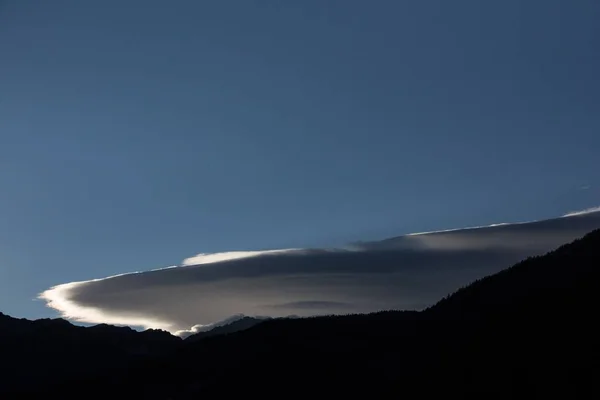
(38, 354)
(527, 332)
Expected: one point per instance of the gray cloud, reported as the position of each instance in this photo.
(405, 272)
(313, 305)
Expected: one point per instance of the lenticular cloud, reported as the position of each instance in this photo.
(405, 272)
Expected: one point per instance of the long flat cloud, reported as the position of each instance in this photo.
(405, 272)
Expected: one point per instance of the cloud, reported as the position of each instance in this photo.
(204, 258)
(582, 212)
(313, 305)
(405, 272)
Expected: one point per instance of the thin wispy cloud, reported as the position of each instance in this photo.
(208, 258)
(405, 272)
(583, 212)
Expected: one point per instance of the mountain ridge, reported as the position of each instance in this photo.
(527, 331)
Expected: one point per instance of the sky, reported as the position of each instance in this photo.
(135, 134)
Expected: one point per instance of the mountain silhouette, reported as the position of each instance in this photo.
(237, 325)
(526, 332)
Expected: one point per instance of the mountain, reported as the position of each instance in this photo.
(46, 351)
(526, 332)
(243, 323)
(562, 281)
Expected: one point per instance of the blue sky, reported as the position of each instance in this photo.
(134, 134)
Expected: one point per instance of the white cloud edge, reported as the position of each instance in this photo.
(210, 258)
(56, 298)
(467, 228)
(582, 212)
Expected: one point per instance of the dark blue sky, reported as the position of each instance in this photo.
(134, 134)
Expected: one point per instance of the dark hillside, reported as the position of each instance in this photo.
(526, 332)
